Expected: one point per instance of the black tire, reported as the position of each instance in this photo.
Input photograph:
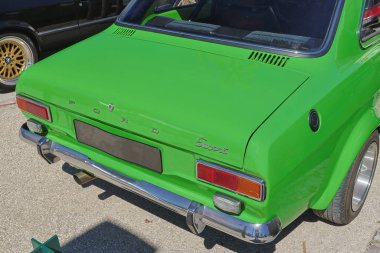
(12, 64)
(341, 210)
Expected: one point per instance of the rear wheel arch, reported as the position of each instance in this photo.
(24, 29)
(357, 137)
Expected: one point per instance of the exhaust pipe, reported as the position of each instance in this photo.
(83, 178)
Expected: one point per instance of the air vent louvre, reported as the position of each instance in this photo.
(124, 32)
(272, 59)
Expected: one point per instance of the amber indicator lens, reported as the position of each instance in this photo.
(32, 107)
(231, 180)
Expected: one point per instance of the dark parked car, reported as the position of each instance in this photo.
(29, 28)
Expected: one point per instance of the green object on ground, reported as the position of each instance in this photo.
(50, 246)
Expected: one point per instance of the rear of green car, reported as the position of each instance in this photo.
(196, 112)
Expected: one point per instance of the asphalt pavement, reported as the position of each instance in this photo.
(38, 200)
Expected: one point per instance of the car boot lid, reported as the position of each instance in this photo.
(197, 100)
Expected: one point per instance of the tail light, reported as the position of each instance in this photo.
(229, 179)
(372, 12)
(33, 107)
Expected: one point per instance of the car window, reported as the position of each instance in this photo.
(285, 24)
(371, 21)
(98, 9)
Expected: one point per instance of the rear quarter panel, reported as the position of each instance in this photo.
(304, 169)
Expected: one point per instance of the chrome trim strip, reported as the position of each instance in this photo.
(37, 103)
(78, 26)
(58, 30)
(98, 21)
(197, 215)
(251, 46)
(233, 172)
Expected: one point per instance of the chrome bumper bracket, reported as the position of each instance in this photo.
(194, 218)
(43, 149)
(197, 215)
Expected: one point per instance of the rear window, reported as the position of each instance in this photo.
(296, 25)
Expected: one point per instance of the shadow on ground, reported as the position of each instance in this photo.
(107, 237)
(211, 236)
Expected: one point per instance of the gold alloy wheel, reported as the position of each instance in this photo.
(13, 60)
(15, 56)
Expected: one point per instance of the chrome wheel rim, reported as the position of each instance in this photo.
(15, 56)
(364, 177)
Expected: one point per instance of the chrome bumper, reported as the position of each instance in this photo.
(197, 215)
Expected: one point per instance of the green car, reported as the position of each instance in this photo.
(237, 114)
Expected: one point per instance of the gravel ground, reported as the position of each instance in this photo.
(6, 97)
(39, 200)
(374, 245)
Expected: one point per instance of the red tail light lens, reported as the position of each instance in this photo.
(33, 107)
(231, 180)
(372, 12)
